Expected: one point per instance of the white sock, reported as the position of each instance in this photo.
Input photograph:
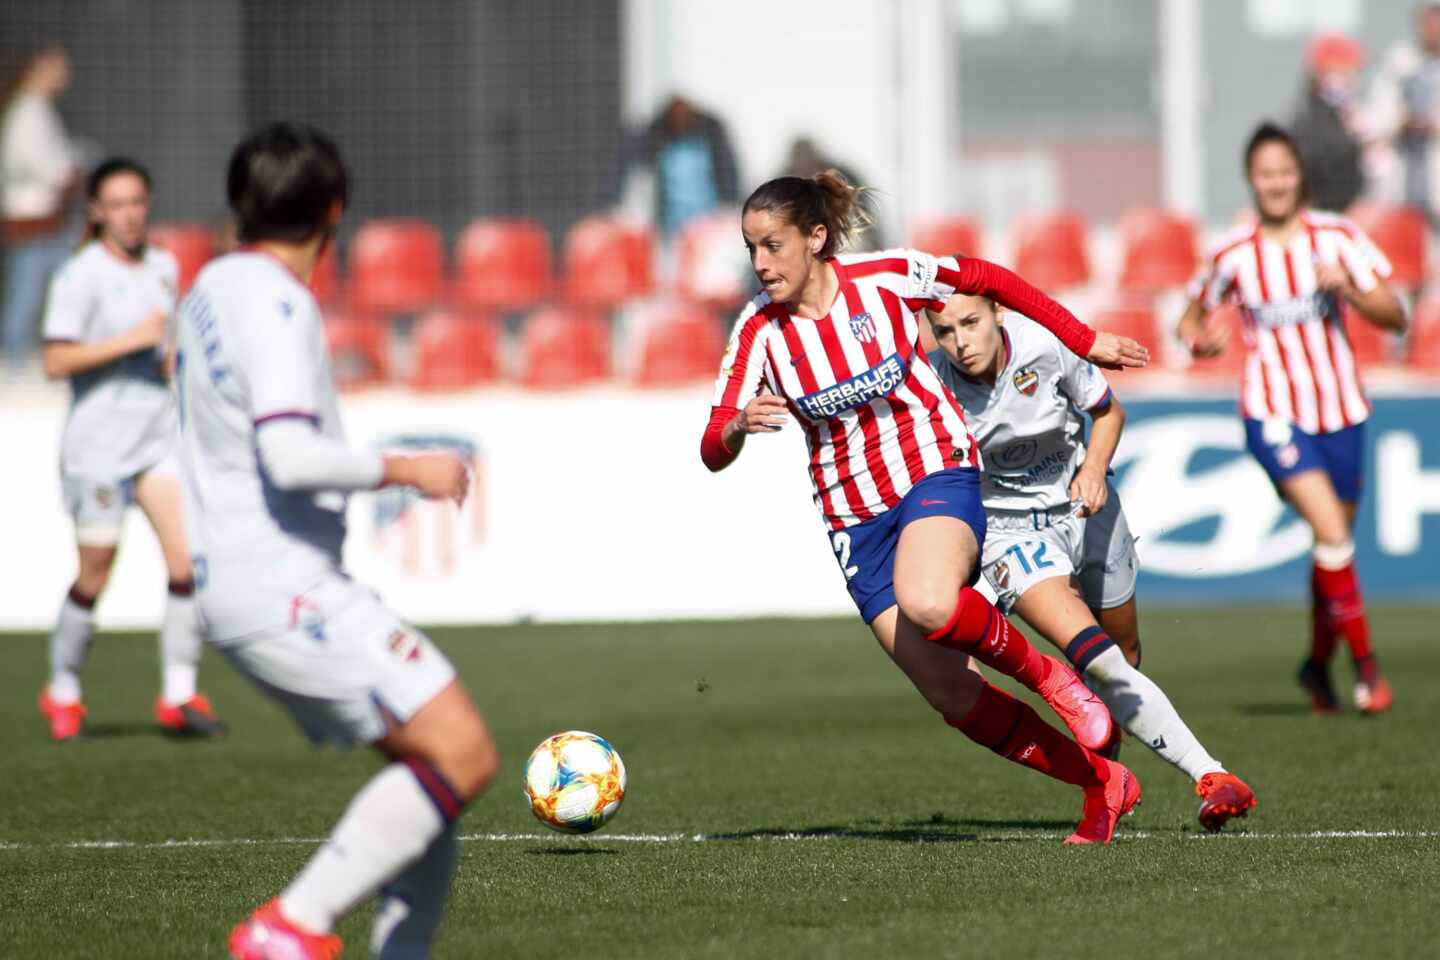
(412, 904)
(1143, 710)
(180, 643)
(389, 824)
(69, 646)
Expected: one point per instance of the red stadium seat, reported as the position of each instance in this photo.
(452, 352)
(1160, 250)
(1403, 234)
(325, 281)
(502, 265)
(1136, 322)
(713, 267)
(561, 349)
(607, 262)
(679, 346)
(1050, 251)
(944, 237)
(359, 354)
(396, 266)
(192, 244)
(1424, 352)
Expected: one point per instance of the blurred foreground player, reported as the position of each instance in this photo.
(267, 472)
(107, 328)
(1057, 549)
(1295, 274)
(834, 341)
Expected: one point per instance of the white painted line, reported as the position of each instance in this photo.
(921, 837)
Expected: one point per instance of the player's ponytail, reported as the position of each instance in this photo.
(807, 202)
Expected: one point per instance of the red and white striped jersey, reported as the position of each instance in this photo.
(1298, 366)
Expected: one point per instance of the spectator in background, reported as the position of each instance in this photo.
(1405, 112)
(689, 152)
(38, 177)
(1326, 123)
(807, 160)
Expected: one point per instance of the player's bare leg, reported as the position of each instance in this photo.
(180, 708)
(1054, 608)
(61, 702)
(394, 830)
(1337, 594)
(932, 556)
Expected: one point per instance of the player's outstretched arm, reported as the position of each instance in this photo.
(64, 358)
(728, 427)
(299, 457)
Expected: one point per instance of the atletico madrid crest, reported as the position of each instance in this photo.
(863, 326)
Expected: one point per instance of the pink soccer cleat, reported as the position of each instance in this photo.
(193, 718)
(1223, 796)
(67, 720)
(1106, 804)
(1083, 712)
(267, 935)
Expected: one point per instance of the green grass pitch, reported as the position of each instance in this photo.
(835, 815)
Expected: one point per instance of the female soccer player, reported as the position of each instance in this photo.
(106, 329)
(267, 471)
(1301, 399)
(1058, 550)
(834, 341)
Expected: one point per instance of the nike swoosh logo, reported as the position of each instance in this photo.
(930, 503)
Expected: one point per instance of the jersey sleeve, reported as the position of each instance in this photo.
(1082, 383)
(68, 306)
(931, 281)
(743, 367)
(1210, 283)
(1363, 260)
(282, 363)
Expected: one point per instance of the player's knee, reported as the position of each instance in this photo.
(929, 606)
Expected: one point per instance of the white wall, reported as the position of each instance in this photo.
(866, 79)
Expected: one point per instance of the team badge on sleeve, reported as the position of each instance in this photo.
(863, 326)
(1027, 381)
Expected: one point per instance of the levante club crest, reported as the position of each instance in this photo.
(428, 539)
(1027, 381)
(863, 326)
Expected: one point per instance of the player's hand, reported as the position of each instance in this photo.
(1114, 352)
(438, 476)
(767, 413)
(151, 331)
(1210, 341)
(1090, 490)
(1331, 278)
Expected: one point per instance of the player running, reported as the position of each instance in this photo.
(267, 470)
(1057, 549)
(106, 328)
(1300, 397)
(834, 341)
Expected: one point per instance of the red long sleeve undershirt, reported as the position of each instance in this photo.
(975, 277)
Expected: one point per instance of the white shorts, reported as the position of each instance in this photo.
(98, 504)
(344, 664)
(1022, 550)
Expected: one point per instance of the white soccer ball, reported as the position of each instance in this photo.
(574, 782)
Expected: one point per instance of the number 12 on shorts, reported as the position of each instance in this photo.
(1036, 560)
(840, 541)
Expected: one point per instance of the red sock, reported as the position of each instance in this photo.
(980, 630)
(1012, 729)
(1340, 593)
(1322, 637)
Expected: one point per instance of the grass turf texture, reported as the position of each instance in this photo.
(918, 842)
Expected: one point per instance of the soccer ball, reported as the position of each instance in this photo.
(574, 782)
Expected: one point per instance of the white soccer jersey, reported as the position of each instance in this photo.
(122, 420)
(252, 349)
(1298, 366)
(1029, 424)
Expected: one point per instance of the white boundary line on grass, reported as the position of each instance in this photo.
(664, 838)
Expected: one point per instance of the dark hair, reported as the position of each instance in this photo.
(282, 182)
(1271, 132)
(826, 198)
(112, 167)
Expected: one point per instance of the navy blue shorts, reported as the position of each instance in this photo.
(866, 551)
(1285, 450)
